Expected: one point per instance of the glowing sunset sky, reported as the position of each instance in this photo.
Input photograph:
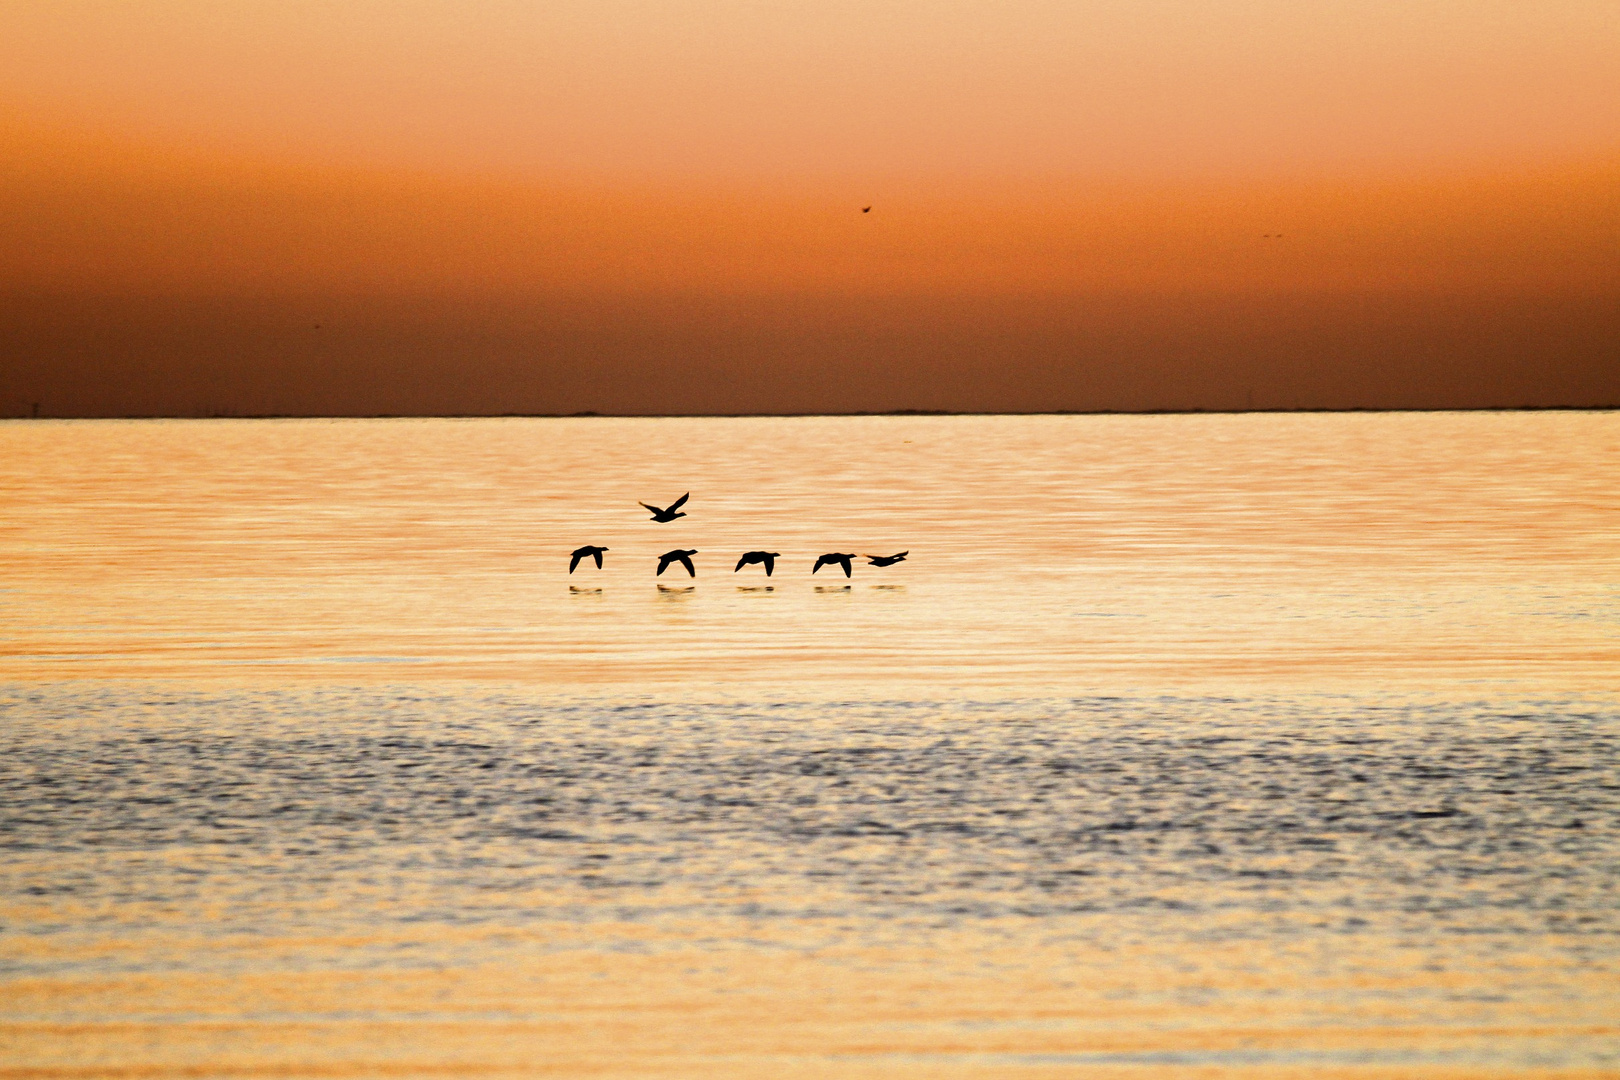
(644, 207)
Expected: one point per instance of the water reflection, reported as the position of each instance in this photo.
(1276, 548)
(1193, 738)
(1109, 873)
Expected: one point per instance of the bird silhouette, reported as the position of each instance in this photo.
(680, 555)
(674, 510)
(589, 551)
(834, 559)
(766, 557)
(886, 560)
(866, 209)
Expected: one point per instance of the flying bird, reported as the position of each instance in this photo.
(589, 551)
(674, 511)
(886, 560)
(680, 555)
(834, 559)
(866, 209)
(766, 557)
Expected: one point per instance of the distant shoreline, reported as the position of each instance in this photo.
(588, 415)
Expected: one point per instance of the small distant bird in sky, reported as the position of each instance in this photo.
(886, 560)
(866, 209)
(674, 511)
(589, 551)
(766, 557)
(834, 559)
(680, 555)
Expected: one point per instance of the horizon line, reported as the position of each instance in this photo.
(592, 414)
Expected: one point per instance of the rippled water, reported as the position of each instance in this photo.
(1198, 745)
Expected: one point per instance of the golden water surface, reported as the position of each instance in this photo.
(1179, 745)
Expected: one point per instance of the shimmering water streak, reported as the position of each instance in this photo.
(1145, 882)
(1053, 553)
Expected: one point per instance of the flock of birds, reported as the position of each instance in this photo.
(766, 559)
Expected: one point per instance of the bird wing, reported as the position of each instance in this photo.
(742, 562)
(770, 564)
(676, 505)
(686, 561)
(823, 561)
(650, 506)
(663, 563)
(573, 562)
(844, 562)
(598, 556)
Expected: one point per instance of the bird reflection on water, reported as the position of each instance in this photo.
(833, 588)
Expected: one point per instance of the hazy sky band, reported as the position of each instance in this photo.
(1435, 157)
(834, 88)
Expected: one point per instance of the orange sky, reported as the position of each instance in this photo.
(567, 161)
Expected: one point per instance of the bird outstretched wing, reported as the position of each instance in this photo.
(650, 506)
(676, 505)
(742, 562)
(770, 564)
(823, 561)
(597, 555)
(686, 561)
(575, 562)
(844, 562)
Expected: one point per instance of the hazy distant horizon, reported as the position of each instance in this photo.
(783, 355)
(589, 415)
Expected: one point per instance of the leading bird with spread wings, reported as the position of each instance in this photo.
(671, 512)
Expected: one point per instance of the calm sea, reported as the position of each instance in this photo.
(1264, 745)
